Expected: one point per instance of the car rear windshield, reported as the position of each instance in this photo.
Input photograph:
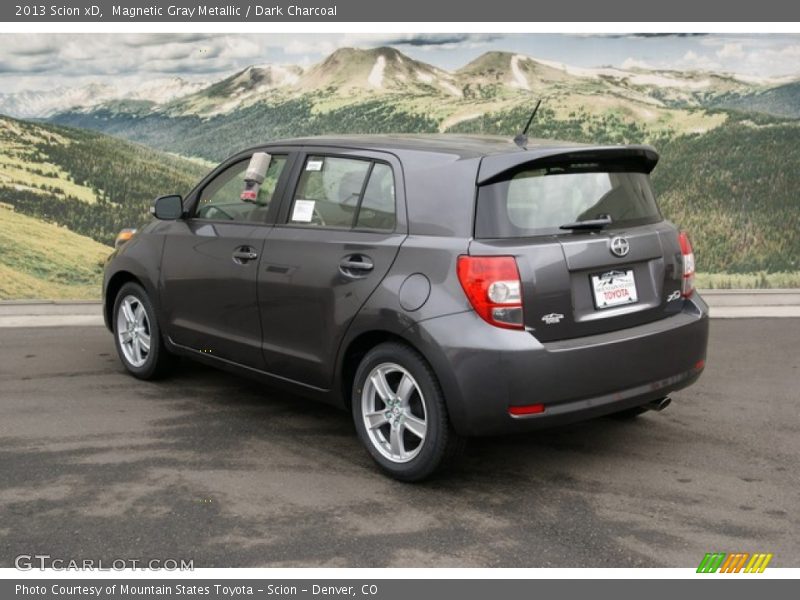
(540, 201)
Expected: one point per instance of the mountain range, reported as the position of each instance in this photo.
(353, 73)
(45, 103)
(730, 170)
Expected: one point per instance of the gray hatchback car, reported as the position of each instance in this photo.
(439, 287)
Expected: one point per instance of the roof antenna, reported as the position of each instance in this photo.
(521, 139)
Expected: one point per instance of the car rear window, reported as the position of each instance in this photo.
(538, 201)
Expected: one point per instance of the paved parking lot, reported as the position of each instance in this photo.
(214, 468)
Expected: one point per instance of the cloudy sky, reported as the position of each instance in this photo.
(40, 62)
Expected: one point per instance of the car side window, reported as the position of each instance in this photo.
(222, 199)
(378, 205)
(344, 193)
(328, 192)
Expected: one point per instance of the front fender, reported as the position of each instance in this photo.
(138, 259)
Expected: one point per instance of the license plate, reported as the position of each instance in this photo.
(614, 288)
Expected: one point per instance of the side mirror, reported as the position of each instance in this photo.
(168, 208)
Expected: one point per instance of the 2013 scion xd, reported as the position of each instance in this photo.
(438, 287)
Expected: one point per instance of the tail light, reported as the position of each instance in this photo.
(528, 409)
(492, 286)
(687, 287)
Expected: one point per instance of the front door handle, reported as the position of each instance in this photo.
(244, 254)
(356, 265)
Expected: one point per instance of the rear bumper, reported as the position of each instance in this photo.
(484, 370)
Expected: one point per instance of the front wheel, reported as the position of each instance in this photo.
(136, 334)
(400, 414)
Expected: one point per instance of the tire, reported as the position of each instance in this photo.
(410, 437)
(144, 363)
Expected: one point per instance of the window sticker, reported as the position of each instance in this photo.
(314, 165)
(303, 211)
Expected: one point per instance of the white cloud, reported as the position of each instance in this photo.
(635, 63)
(32, 61)
(693, 60)
(65, 59)
(790, 51)
(731, 50)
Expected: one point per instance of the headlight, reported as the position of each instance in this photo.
(123, 236)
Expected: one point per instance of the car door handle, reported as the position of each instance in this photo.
(356, 265)
(244, 254)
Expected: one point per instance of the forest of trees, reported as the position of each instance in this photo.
(218, 137)
(734, 188)
(124, 177)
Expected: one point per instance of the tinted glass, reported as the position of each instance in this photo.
(539, 201)
(221, 199)
(378, 206)
(328, 192)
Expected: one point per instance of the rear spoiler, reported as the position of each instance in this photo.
(494, 167)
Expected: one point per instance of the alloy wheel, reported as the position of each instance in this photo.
(394, 413)
(133, 331)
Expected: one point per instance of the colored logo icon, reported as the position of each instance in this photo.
(737, 562)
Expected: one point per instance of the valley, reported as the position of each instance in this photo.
(64, 195)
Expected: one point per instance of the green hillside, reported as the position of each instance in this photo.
(381, 90)
(42, 260)
(728, 178)
(781, 101)
(215, 138)
(91, 183)
(729, 170)
(734, 187)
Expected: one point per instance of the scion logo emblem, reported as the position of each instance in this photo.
(620, 246)
(552, 318)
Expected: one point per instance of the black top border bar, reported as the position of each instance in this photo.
(449, 11)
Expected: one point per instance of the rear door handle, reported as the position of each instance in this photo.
(244, 254)
(356, 265)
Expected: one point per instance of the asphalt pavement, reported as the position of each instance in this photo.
(207, 466)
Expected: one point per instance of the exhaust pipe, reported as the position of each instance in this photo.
(660, 404)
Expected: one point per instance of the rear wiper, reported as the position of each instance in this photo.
(603, 221)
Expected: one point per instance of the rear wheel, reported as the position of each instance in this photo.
(137, 335)
(400, 414)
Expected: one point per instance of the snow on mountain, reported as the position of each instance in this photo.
(240, 89)
(159, 91)
(353, 72)
(45, 103)
(380, 70)
(520, 80)
(375, 78)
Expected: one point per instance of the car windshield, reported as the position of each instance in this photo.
(541, 201)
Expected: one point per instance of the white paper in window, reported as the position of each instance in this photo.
(303, 211)
(314, 165)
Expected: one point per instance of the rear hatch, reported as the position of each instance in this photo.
(594, 253)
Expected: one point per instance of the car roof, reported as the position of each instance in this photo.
(464, 146)
(497, 155)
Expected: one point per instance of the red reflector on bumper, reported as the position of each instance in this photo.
(699, 365)
(528, 409)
